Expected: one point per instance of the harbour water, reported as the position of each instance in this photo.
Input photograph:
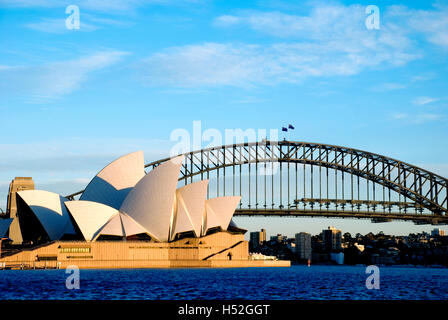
(297, 282)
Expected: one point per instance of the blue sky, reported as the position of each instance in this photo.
(73, 100)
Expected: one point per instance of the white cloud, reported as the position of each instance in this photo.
(400, 116)
(418, 78)
(226, 20)
(417, 118)
(388, 86)
(115, 6)
(207, 64)
(424, 100)
(331, 41)
(101, 20)
(55, 79)
(433, 24)
(216, 64)
(58, 26)
(87, 4)
(334, 22)
(88, 22)
(324, 23)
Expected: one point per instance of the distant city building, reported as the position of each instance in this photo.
(279, 238)
(291, 245)
(263, 235)
(337, 257)
(303, 245)
(18, 184)
(331, 239)
(257, 238)
(424, 235)
(438, 232)
(254, 240)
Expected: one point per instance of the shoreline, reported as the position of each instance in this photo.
(435, 266)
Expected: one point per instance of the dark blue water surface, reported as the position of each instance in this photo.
(296, 282)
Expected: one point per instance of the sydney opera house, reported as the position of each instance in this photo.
(126, 218)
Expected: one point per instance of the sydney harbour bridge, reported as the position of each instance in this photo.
(301, 179)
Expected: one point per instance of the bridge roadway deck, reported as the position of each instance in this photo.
(378, 216)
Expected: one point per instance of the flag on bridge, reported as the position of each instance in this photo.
(284, 129)
(291, 127)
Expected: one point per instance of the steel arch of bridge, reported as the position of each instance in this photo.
(422, 190)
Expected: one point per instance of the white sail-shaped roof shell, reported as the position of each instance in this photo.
(112, 184)
(130, 226)
(113, 227)
(49, 208)
(4, 226)
(122, 225)
(211, 220)
(90, 216)
(190, 208)
(151, 202)
(220, 211)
